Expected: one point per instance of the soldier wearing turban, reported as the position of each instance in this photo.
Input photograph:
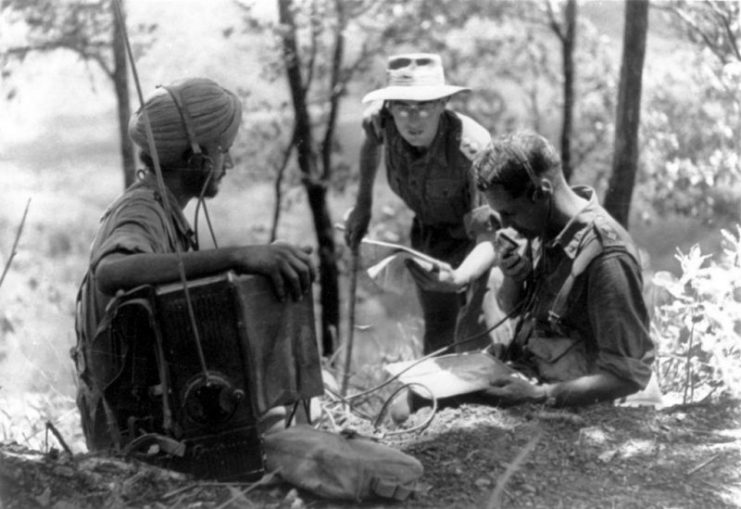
(214, 113)
(144, 237)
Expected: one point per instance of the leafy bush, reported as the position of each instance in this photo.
(692, 168)
(698, 323)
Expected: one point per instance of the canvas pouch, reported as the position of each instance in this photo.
(558, 358)
(341, 466)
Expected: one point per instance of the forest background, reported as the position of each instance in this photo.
(60, 149)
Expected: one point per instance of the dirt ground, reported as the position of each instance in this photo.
(601, 456)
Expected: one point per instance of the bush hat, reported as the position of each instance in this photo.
(414, 77)
(215, 114)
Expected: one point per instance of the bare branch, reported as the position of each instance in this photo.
(553, 22)
(13, 250)
(337, 86)
(279, 184)
(88, 52)
(725, 20)
(95, 57)
(719, 13)
(693, 27)
(48, 46)
(311, 64)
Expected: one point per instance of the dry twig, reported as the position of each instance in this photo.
(704, 464)
(238, 494)
(560, 415)
(15, 243)
(495, 501)
(50, 427)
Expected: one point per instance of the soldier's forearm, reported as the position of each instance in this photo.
(478, 261)
(370, 159)
(589, 389)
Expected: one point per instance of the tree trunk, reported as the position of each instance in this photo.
(625, 160)
(316, 188)
(568, 86)
(328, 272)
(121, 85)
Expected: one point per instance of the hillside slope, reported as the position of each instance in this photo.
(603, 456)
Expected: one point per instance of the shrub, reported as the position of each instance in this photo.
(698, 323)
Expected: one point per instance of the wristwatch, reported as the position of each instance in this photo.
(548, 399)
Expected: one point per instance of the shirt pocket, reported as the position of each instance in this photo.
(446, 200)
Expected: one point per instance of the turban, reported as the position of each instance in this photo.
(214, 113)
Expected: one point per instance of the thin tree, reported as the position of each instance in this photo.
(315, 180)
(566, 33)
(697, 173)
(313, 61)
(86, 28)
(625, 158)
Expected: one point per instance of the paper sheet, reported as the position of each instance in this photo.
(392, 275)
(451, 375)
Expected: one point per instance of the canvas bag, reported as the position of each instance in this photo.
(558, 358)
(341, 466)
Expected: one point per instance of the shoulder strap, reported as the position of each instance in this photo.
(604, 234)
(592, 249)
(138, 297)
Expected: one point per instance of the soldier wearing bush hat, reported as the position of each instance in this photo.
(427, 149)
(145, 239)
(415, 77)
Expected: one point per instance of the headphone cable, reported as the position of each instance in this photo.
(202, 202)
(516, 310)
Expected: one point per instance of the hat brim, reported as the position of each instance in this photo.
(413, 93)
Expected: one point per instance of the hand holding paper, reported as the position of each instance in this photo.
(439, 276)
(394, 273)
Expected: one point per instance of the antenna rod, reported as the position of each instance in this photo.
(161, 185)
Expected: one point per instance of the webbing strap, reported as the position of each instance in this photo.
(388, 488)
(164, 373)
(146, 305)
(591, 250)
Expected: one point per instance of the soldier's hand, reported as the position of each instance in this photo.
(514, 389)
(289, 267)
(515, 265)
(356, 225)
(440, 277)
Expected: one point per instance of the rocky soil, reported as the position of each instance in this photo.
(473, 455)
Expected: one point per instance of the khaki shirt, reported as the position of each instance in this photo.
(438, 185)
(135, 223)
(605, 307)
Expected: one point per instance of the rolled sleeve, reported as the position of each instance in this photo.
(138, 228)
(619, 319)
(481, 221)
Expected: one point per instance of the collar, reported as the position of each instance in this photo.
(571, 236)
(176, 214)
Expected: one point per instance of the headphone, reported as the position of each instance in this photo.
(197, 160)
